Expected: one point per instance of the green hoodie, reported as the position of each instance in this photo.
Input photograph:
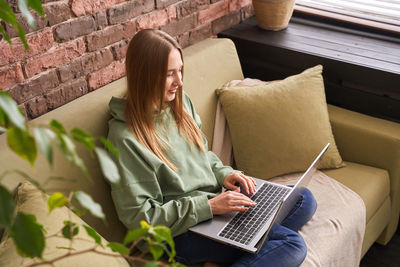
(149, 189)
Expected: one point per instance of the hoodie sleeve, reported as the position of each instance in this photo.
(139, 196)
(219, 169)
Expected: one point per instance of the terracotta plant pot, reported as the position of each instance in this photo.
(273, 14)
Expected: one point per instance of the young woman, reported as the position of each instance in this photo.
(168, 175)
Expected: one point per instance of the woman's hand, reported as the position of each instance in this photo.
(247, 182)
(229, 201)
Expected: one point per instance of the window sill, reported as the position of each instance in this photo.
(361, 70)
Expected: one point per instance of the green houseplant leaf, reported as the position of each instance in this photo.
(44, 138)
(37, 6)
(87, 202)
(83, 137)
(11, 110)
(56, 200)
(70, 229)
(107, 144)
(27, 235)
(22, 143)
(118, 247)
(8, 16)
(92, 233)
(150, 264)
(135, 235)
(157, 251)
(7, 207)
(108, 166)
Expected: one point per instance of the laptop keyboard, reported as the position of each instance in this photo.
(244, 226)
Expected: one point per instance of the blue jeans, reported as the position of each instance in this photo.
(284, 245)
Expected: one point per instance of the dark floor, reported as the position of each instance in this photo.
(384, 256)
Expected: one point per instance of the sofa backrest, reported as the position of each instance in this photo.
(208, 65)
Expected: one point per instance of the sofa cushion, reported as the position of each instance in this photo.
(30, 200)
(280, 127)
(371, 184)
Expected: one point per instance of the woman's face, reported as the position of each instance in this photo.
(174, 75)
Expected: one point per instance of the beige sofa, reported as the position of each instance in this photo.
(369, 146)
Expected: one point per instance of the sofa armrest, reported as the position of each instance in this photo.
(370, 141)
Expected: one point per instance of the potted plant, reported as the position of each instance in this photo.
(273, 14)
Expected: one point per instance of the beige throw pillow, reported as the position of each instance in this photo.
(280, 127)
(30, 200)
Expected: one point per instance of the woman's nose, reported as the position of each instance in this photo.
(178, 79)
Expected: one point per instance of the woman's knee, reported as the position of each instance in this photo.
(298, 248)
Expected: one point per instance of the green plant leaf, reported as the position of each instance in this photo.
(135, 235)
(28, 235)
(22, 143)
(4, 121)
(44, 137)
(162, 234)
(107, 144)
(70, 229)
(68, 149)
(92, 233)
(57, 127)
(37, 6)
(5, 35)
(56, 200)
(150, 264)
(23, 7)
(7, 207)
(157, 251)
(118, 247)
(11, 110)
(107, 165)
(83, 137)
(87, 202)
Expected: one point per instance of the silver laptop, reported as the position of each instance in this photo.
(248, 230)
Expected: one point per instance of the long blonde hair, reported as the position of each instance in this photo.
(146, 72)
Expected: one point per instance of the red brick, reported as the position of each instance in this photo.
(183, 39)
(202, 4)
(119, 50)
(156, 18)
(178, 27)
(104, 37)
(225, 22)
(35, 86)
(38, 42)
(87, 7)
(129, 29)
(246, 12)
(200, 33)
(244, 3)
(127, 11)
(55, 57)
(101, 20)
(57, 12)
(11, 75)
(85, 64)
(66, 93)
(39, 22)
(36, 107)
(74, 28)
(164, 3)
(214, 12)
(186, 8)
(106, 75)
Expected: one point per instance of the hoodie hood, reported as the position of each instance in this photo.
(117, 108)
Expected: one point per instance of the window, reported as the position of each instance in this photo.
(384, 14)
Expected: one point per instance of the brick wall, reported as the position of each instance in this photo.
(81, 44)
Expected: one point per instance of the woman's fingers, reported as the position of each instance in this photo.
(248, 184)
(230, 201)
